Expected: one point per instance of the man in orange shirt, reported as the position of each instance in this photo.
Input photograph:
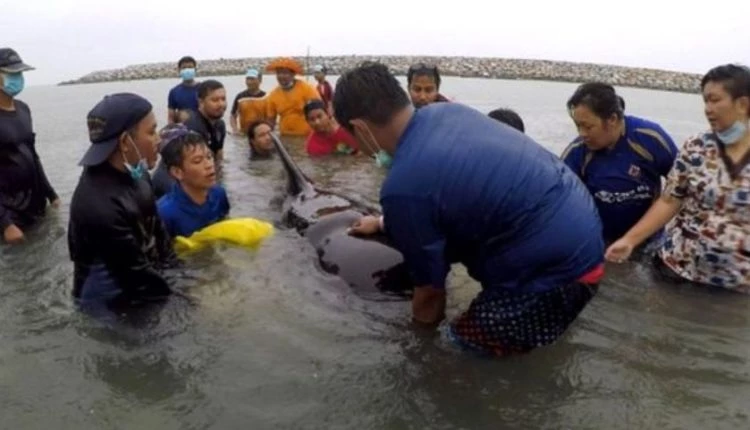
(249, 105)
(287, 101)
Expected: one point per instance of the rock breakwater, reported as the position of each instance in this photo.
(475, 67)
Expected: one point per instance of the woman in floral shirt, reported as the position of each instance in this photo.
(707, 197)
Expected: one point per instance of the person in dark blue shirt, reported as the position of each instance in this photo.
(207, 119)
(621, 158)
(183, 96)
(463, 187)
(195, 200)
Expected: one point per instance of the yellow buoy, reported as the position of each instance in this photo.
(243, 232)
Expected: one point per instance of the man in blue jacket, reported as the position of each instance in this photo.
(463, 187)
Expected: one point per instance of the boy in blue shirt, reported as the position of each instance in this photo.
(195, 200)
(621, 158)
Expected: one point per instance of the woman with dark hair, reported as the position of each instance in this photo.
(621, 158)
(707, 195)
(424, 85)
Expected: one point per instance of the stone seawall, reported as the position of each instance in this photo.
(475, 67)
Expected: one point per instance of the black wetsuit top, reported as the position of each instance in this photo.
(24, 188)
(114, 228)
(213, 133)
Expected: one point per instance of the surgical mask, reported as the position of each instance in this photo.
(382, 158)
(187, 74)
(13, 83)
(733, 134)
(140, 168)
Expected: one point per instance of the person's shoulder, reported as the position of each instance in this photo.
(218, 191)
(21, 105)
(575, 148)
(167, 205)
(95, 201)
(648, 132)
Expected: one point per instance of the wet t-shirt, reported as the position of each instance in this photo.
(24, 187)
(114, 225)
(338, 142)
(708, 241)
(183, 97)
(625, 179)
(183, 217)
(466, 188)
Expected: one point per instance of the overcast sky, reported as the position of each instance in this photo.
(65, 39)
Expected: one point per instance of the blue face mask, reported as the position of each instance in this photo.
(733, 134)
(140, 168)
(13, 83)
(383, 159)
(187, 74)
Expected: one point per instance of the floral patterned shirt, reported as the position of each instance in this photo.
(708, 241)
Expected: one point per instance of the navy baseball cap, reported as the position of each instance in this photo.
(108, 120)
(10, 62)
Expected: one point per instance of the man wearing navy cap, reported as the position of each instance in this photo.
(24, 188)
(116, 240)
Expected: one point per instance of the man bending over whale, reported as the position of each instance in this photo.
(463, 187)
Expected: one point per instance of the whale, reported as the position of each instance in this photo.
(371, 266)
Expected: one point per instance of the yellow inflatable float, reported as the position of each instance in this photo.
(243, 232)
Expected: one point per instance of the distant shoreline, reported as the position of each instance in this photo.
(468, 67)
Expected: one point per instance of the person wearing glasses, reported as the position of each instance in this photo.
(424, 85)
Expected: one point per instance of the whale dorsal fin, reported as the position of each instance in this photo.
(298, 182)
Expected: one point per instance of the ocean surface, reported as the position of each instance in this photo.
(272, 343)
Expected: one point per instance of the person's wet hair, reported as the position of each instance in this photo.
(734, 78)
(186, 59)
(600, 98)
(176, 140)
(313, 105)
(206, 87)
(369, 91)
(252, 127)
(508, 117)
(422, 69)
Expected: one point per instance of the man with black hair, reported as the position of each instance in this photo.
(260, 141)
(464, 188)
(184, 96)
(115, 237)
(195, 200)
(508, 117)
(207, 119)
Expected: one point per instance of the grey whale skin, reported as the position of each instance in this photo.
(371, 267)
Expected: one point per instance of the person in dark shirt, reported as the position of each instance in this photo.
(161, 180)
(424, 85)
(183, 96)
(508, 117)
(207, 120)
(324, 87)
(621, 159)
(116, 239)
(251, 101)
(24, 187)
(465, 188)
(195, 200)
